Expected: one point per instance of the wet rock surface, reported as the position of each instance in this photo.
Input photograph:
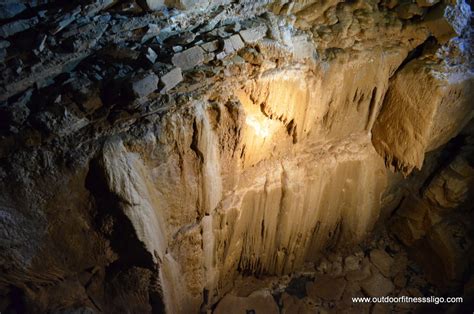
(246, 156)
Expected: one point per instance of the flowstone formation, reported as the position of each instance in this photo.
(234, 156)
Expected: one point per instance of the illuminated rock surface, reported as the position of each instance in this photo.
(218, 156)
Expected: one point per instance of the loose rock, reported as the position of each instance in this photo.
(144, 85)
(171, 79)
(189, 58)
(382, 261)
(377, 285)
(327, 288)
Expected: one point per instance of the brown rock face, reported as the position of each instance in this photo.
(382, 261)
(327, 288)
(234, 156)
(377, 285)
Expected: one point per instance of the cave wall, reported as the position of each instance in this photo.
(152, 152)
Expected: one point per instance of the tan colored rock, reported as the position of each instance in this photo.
(447, 20)
(309, 11)
(400, 280)
(441, 253)
(125, 176)
(450, 188)
(407, 11)
(352, 290)
(400, 264)
(377, 285)
(351, 263)
(327, 288)
(414, 118)
(210, 46)
(362, 274)
(292, 304)
(426, 3)
(382, 260)
(258, 302)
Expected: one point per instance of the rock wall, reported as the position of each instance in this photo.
(154, 152)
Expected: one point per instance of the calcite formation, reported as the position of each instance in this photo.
(233, 156)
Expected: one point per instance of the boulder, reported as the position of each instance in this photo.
(382, 261)
(327, 288)
(360, 274)
(351, 263)
(425, 106)
(377, 285)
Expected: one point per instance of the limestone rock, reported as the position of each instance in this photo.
(189, 58)
(257, 302)
(303, 48)
(408, 10)
(254, 34)
(450, 188)
(194, 4)
(441, 252)
(14, 27)
(422, 101)
(382, 261)
(327, 288)
(17, 112)
(153, 5)
(400, 280)
(171, 79)
(377, 285)
(362, 274)
(351, 263)
(143, 85)
(233, 44)
(445, 20)
(426, 3)
(9, 10)
(122, 168)
(210, 46)
(292, 304)
(4, 44)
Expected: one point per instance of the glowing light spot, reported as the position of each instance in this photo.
(261, 129)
